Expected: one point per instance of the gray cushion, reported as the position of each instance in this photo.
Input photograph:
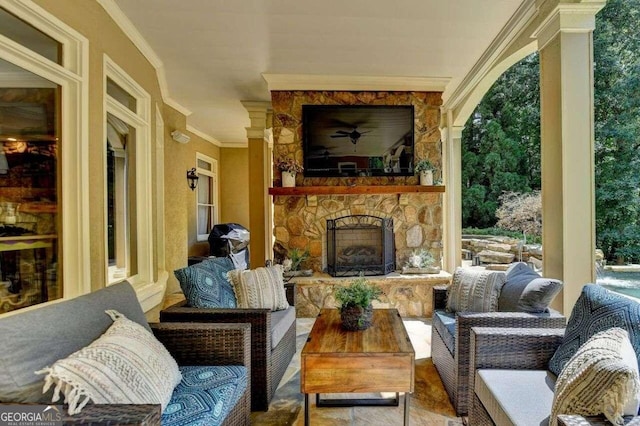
(516, 397)
(36, 339)
(281, 322)
(445, 324)
(526, 291)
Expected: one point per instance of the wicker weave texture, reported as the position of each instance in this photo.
(517, 349)
(267, 364)
(454, 368)
(115, 414)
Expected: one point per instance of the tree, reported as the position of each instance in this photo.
(521, 212)
(501, 144)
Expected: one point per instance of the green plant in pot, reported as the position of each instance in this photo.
(355, 300)
(425, 169)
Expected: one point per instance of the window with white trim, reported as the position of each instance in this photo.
(207, 195)
(128, 211)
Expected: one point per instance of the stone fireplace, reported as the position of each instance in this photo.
(360, 244)
(300, 217)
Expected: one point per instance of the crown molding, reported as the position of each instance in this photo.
(203, 135)
(354, 82)
(127, 27)
(516, 24)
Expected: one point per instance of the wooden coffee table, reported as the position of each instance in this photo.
(379, 359)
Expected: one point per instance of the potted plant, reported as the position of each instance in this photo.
(289, 167)
(420, 262)
(425, 169)
(355, 300)
(292, 264)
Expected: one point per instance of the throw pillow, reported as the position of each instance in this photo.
(525, 291)
(205, 284)
(600, 378)
(126, 365)
(474, 290)
(259, 288)
(597, 309)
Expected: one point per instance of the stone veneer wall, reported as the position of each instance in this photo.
(300, 222)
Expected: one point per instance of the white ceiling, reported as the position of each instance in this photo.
(214, 52)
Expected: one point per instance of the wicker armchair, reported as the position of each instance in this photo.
(453, 365)
(518, 349)
(189, 344)
(268, 363)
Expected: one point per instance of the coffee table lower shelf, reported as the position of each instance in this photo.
(359, 402)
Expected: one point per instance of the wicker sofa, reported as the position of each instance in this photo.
(521, 376)
(268, 362)
(35, 339)
(519, 358)
(451, 338)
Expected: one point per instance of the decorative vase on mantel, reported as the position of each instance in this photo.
(355, 318)
(288, 179)
(426, 177)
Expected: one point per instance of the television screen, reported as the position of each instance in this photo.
(358, 140)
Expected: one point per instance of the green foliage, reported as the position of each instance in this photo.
(297, 257)
(501, 140)
(423, 166)
(420, 259)
(499, 232)
(358, 293)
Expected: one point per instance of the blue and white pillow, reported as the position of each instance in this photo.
(597, 309)
(205, 284)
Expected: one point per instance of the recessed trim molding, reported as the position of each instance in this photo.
(355, 82)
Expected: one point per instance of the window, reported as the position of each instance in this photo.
(207, 201)
(42, 109)
(128, 211)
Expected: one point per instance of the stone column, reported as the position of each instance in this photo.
(259, 164)
(452, 178)
(567, 146)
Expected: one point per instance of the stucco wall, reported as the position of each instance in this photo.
(234, 184)
(105, 37)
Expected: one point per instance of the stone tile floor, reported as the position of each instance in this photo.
(430, 405)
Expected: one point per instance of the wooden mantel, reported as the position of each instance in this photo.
(300, 191)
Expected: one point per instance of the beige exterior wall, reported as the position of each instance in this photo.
(234, 184)
(105, 37)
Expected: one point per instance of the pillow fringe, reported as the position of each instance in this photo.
(72, 393)
(114, 314)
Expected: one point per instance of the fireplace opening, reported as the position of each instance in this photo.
(360, 244)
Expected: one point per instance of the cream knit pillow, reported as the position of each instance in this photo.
(259, 288)
(601, 378)
(126, 365)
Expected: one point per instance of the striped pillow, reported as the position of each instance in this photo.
(474, 290)
(126, 365)
(600, 378)
(259, 288)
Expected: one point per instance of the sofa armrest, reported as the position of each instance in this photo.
(206, 343)
(115, 414)
(575, 420)
(511, 349)
(439, 297)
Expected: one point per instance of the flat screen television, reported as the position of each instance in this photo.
(357, 140)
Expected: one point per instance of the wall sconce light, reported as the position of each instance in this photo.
(180, 137)
(192, 178)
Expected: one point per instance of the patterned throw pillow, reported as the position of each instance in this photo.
(600, 378)
(126, 365)
(474, 290)
(597, 309)
(526, 291)
(260, 288)
(205, 284)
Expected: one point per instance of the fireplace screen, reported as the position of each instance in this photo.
(360, 244)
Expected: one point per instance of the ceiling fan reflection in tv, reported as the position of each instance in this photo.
(354, 135)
